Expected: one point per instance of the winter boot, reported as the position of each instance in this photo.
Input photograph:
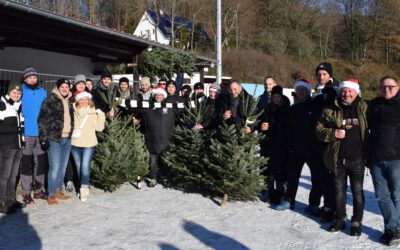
(390, 238)
(51, 199)
(69, 187)
(337, 226)
(40, 195)
(27, 199)
(15, 204)
(283, 206)
(5, 209)
(313, 210)
(355, 229)
(59, 195)
(84, 193)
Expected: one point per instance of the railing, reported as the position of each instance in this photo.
(47, 81)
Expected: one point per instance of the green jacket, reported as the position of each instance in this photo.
(331, 119)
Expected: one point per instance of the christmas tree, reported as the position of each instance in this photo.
(121, 155)
(234, 165)
(185, 157)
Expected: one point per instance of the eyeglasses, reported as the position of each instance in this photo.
(387, 87)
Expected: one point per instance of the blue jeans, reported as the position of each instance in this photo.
(58, 154)
(386, 179)
(82, 158)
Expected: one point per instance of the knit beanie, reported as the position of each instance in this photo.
(61, 82)
(170, 82)
(198, 85)
(215, 87)
(325, 66)
(30, 71)
(123, 79)
(277, 90)
(14, 85)
(80, 78)
(106, 74)
(145, 81)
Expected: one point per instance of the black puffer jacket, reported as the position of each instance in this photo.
(10, 124)
(51, 118)
(302, 122)
(158, 124)
(384, 123)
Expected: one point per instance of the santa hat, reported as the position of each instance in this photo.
(350, 83)
(304, 83)
(159, 90)
(81, 94)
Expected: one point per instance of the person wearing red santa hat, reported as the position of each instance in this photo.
(343, 127)
(304, 147)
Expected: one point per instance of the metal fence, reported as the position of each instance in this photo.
(47, 81)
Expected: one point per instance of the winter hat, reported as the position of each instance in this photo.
(305, 83)
(198, 85)
(162, 80)
(277, 90)
(159, 90)
(61, 82)
(171, 82)
(81, 94)
(14, 85)
(145, 81)
(215, 87)
(186, 87)
(123, 79)
(80, 78)
(30, 71)
(325, 66)
(106, 74)
(350, 83)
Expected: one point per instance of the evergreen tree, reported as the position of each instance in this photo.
(121, 155)
(234, 165)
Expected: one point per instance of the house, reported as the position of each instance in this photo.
(157, 26)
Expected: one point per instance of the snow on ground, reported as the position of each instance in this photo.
(162, 218)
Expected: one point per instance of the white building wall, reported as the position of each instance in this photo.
(145, 29)
(13, 58)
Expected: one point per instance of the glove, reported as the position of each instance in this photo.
(45, 145)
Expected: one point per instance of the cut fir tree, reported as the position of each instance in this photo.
(121, 155)
(185, 158)
(234, 165)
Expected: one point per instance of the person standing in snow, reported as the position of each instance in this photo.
(384, 122)
(343, 126)
(55, 129)
(11, 142)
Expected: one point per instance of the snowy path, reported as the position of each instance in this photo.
(169, 219)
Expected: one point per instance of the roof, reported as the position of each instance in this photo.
(25, 26)
(165, 23)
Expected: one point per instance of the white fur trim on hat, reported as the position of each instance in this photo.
(83, 94)
(352, 83)
(159, 91)
(303, 84)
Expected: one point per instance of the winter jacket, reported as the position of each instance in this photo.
(275, 143)
(332, 119)
(11, 124)
(263, 102)
(384, 122)
(51, 117)
(32, 100)
(236, 106)
(302, 122)
(94, 122)
(212, 114)
(158, 124)
(328, 94)
(98, 100)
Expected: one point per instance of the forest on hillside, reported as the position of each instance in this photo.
(361, 38)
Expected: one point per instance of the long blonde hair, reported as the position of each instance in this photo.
(78, 104)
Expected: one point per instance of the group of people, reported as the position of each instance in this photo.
(330, 128)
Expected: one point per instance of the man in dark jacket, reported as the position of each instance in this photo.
(158, 123)
(343, 126)
(304, 147)
(102, 91)
(384, 123)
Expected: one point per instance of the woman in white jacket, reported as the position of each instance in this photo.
(87, 121)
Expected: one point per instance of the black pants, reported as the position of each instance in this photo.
(354, 169)
(155, 164)
(295, 166)
(328, 183)
(10, 160)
